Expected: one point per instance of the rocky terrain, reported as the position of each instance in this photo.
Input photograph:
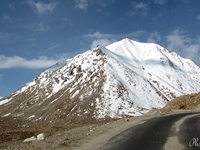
(184, 102)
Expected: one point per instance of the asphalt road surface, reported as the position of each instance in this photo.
(153, 134)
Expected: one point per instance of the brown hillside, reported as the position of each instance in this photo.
(187, 102)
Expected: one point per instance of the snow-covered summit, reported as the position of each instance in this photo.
(132, 49)
(126, 78)
(150, 58)
(149, 53)
(150, 74)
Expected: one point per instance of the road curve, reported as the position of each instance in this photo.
(153, 134)
(189, 134)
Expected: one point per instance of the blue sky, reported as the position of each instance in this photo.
(35, 34)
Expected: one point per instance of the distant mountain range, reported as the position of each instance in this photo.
(126, 78)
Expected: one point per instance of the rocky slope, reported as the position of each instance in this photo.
(126, 78)
(184, 102)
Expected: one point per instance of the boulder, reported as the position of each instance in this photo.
(40, 136)
(33, 138)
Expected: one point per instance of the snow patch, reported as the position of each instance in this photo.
(32, 116)
(4, 101)
(6, 115)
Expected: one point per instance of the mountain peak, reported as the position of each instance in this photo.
(132, 49)
(127, 78)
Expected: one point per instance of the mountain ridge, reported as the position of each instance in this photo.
(126, 78)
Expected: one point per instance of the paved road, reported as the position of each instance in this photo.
(189, 134)
(153, 134)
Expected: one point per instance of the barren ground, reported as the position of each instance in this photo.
(72, 137)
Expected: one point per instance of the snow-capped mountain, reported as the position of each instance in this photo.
(127, 78)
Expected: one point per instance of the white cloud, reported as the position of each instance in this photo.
(53, 47)
(160, 2)
(153, 37)
(187, 1)
(176, 39)
(4, 35)
(82, 4)
(139, 8)
(102, 42)
(140, 5)
(11, 6)
(184, 45)
(97, 35)
(69, 21)
(198, 17)
(6, 19)
(19, 62)
(98, 38)
(41, 7)
(41, 27)
(102, 39)
(32, 41)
